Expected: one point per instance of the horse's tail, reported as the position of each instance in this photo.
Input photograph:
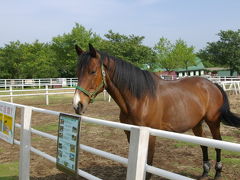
(228, 118)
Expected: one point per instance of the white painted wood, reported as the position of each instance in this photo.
(104, 94)
(137, 156)
(25, 145)
(238, 87)
(166, 174)
(5, 84)
(11, 93)
(47, 99)
(22, 84)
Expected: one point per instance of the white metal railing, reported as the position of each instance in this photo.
(223, 78)
(136, 162)
(230, 86)
(42, 92)
(64, 82)
(211, 78)
(36, 92)
(6, 83)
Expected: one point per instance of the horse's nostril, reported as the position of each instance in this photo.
(80, 106)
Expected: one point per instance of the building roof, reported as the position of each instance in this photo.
(217, 68)
(199, 66)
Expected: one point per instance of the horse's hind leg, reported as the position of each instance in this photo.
(198, 131)
(215, 130)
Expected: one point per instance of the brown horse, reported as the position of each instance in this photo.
(147, 100)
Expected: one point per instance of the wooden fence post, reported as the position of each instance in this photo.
(25, 143)
(11, 93)
(5, 84)
(137, 156)
(39, 83)
(104, 95)
(22, 84)
(47, 101)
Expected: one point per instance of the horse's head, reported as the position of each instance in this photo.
(91, 78)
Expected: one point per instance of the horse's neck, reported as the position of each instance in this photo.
(121, 98)
(118, 97)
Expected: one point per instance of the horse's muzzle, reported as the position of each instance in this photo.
(79, 109)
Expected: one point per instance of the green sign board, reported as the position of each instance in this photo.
(68, 143)
(7, 117)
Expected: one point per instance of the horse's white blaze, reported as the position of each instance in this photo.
(76, 99)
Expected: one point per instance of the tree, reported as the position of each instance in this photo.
(26, 60)
(38, 61)
(10, 58)
(129, 48)
(63, 47)
(171, 56)
(226, 51)
(164, 50)
(183, 54)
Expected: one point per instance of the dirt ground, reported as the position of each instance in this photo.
(179, 157)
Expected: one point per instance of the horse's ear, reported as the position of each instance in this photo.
(78, 50)
(92, 50)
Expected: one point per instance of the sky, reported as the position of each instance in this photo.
(195, 21)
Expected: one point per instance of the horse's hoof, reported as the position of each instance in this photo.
(203, 178)
(218, 178)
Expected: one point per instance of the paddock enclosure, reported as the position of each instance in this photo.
(186, 156)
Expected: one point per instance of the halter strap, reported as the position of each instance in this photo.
(91, 95)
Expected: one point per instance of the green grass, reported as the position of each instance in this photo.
(47, 127)
(36, 139)
(229, 138)
(233, 161)
(182, 144)
(9, 171)
(236, 131)
(9, 178)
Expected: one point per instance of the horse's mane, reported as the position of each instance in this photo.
(129, 77)
(125, 75)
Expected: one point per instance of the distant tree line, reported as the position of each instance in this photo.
(224, 52)
(58, 58)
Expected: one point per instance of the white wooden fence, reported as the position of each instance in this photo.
(41, 92)
(231, 86)
(136, 162)
(22, 83)
(36, 92)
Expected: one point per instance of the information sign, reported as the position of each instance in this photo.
(68, 143)
(7, 118)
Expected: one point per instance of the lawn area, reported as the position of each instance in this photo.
(9, 171)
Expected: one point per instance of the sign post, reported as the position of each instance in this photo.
(7, 118)
(68, 143)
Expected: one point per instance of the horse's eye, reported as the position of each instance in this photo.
(92, 72)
